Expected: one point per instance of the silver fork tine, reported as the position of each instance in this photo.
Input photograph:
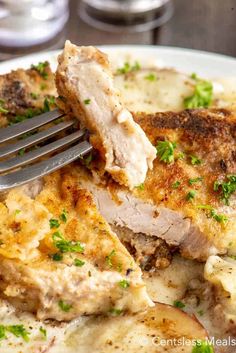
(16, 130)
(33, 140)
(43, 168)
(40, 152)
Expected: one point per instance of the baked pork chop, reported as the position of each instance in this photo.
(59, 257)
(85, 83)
(23, 93)
(188, 198)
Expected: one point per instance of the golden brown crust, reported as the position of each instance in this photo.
(200, 131)
(25, 89)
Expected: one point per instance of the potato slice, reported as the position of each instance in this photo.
(142, 333)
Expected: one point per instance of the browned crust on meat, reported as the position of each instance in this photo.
(17, 87)
(201, 131)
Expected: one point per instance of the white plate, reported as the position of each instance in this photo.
(186, 60)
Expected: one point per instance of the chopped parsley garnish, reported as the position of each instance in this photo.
(191, 195)
(115, 312)
(43, 331)
(34, 95)
(124, 284)
(165, 151)
(17, 212)
(202, 347)
(87, 101)
(21, 152)
(140, 187)
(181, 156)
(151, 77)
(194, 76)
(2, 332)
(79, 263)
(200, 312)
(54, 223)
(66, 245)
(64, 306)
(43, 86)
(63, 216)
(41, 68)
(88, 159)
(226, 188)
(127, 67)
(48, 101)
(221, 218)
(30, 113)
(195, 180)
(109, 258)
(179, 304)
(195, 160)
(19, 331)
(2, 109)
(176, 184)
(57, 257)
(202, 95)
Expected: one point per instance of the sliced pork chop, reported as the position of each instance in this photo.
(84, 81)
(178, 202)
(60, 259)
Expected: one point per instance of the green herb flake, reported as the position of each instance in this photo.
(221, 218)
(43, 331)
(115, 312)
(87, 101)
(194, 76)
(165, 151)
(88, 159)
(63, 216)
(181, 156)
(124, 284)
(48, 101)
(200, 312)
(43, 86)
(202, 347)
(3, 110)
(176, 184)
(109, 258)
(17, 212)
(226, 188)
(140, 187)
(21, 152)
(66, 245)
(79, 263)
(57, 257)
(191, 195)
(202, 95)
(179, 304)
(195, 180)
(2, 332)
(195, 160)
(64, 306)
(151, 77)
(54, 223)
(34, 95)
(19, 331)
(127, 67)
(41, 67)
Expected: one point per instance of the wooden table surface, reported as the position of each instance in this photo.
(198, 24)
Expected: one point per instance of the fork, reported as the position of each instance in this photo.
(28, 173)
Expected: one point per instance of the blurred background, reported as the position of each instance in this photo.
(28, 26)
